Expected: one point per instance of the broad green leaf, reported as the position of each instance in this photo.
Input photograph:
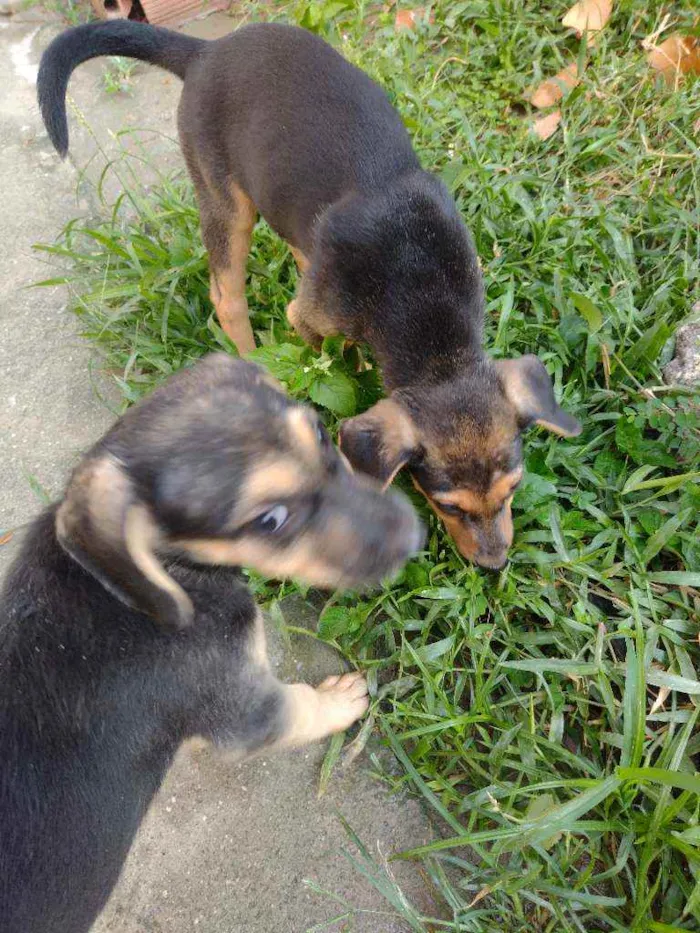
(282, 360)
(336, 392)
(588, 311)
(435, 649)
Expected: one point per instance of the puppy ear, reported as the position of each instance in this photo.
(379, 442)
(111, 534)
(528, 387)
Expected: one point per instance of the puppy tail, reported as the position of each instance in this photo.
(162, 47)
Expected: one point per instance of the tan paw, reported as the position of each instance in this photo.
(343, 700)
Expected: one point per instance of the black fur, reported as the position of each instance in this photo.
(95, 699)
(99, 684)
(272, 116)
(163, 47)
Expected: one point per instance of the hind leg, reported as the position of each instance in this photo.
(227, 228)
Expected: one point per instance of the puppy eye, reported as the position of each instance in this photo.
(322, 434)
(450, 509)
(271, 521)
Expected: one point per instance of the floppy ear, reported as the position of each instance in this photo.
(528, 387)
(102, 524)
(379, 442)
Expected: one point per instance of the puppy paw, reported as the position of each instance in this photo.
(343, 700)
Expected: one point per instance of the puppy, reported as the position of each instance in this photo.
(125, 627)
(273, 120)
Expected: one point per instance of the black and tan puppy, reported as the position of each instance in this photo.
(126, 629)
(272, 119)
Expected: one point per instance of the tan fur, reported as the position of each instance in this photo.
(302, 262)
(101, 488)
(518, 389)
(228, 283)
(495, 507)
(398, 437)
(141, 537)
(470, 501)
(273, 478)
(310, 321)
(551, 426)
(315, 712)
(304, 436)
(304, 560)
(101, 493)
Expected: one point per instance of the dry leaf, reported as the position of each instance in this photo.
(588, 16)
(660, 700)
(4, 539)
(677, 54)
(552, 90)
(480, 896)
(407, 19)
(545, 126)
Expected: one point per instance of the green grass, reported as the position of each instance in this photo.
(548, 716)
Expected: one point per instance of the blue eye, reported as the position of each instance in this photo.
(272, 520)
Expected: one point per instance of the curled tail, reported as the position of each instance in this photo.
(169, 50)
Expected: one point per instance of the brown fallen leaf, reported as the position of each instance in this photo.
(676, 55)
(4, 539)
(407, 19)
(546, 125)
(588, 16)
(552, 90)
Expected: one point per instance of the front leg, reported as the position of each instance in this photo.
(255, 711)
(312, 713)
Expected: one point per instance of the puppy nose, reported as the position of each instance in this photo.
(494, 562)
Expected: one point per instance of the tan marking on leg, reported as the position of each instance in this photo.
(300, 259)
(228, 282)
(313, 713)
(194, 745)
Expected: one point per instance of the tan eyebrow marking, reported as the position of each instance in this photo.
(469, 501)
(277, 477)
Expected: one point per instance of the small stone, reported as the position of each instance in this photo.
(684, 368)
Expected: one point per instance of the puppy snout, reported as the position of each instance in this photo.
(493, 562)
(388, 533)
